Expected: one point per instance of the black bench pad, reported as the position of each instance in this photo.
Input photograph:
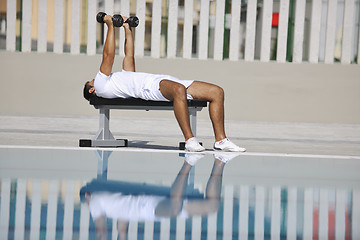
(97, 101)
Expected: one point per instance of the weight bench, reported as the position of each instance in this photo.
(104, 137)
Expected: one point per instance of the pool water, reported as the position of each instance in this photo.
(72, 193)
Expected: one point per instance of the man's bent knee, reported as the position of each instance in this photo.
(172, 90)
(217, 93)
(179, 90)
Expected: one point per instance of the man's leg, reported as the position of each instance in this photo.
(211, 202)
(172, 206)
(202, 91)
(176, 92)
(215, 95)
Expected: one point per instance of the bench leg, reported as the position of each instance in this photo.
(102, 168)
(104, 137)
(104, 126)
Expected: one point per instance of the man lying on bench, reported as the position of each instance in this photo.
(128, 83)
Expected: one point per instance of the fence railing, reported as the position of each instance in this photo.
(253, 30)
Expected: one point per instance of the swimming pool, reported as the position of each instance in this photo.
(172, 195)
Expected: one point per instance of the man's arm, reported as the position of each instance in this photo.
(129, 60)
(109, 47)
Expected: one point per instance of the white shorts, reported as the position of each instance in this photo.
(154, 94)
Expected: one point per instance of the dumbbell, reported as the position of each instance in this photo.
(133, 21)
(118, 21)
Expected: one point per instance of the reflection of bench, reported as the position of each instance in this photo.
(132, 188)
(104, 137)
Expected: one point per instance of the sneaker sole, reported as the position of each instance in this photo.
(226, 150)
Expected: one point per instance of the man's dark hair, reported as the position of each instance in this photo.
(82, 192)
(86, 93)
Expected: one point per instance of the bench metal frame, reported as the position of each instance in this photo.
(104, 137)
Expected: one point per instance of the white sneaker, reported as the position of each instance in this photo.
(226, 156)
(192, 145)
(227, 146)
(192, 158)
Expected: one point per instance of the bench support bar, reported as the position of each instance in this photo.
(104, 126)
(104, 137)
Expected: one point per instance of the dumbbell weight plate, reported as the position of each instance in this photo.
(118, 20)
(100, 17)
(133, 21)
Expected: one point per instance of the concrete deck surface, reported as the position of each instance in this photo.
(164, 133)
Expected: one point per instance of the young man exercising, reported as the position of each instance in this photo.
(155, 87)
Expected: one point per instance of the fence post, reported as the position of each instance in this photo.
(244, 200)
(26, 26)
(52, 204)
(188, 29)
(308, 212)
(59, 26)
(315, 31)
(35, 209)
(5, 205)
(10, 25)
(266, 31)
(282, 31)
(75, 27)
(355, 213)
(140, 30)
(172, 28)
(259, 211)
(235, 34)
(250, 30)
(19, 229)
(156, 29)
(204, 29)
(219, 30)
(299, 31)
(330, 32)
(347, 35)
(340, 212)
(91, 28)
(275, 212)
(42, 26)
(291, 213)
(109, 9)
(68, 209)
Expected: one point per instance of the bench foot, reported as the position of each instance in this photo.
(103, 143)
(182, 145)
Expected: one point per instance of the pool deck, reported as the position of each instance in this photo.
(164, 134)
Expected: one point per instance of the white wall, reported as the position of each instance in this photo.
(51, 84)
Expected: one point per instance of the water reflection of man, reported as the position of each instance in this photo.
(152, 207)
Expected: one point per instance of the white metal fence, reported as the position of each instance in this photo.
(307, 31)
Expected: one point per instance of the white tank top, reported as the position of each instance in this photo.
(126, 84)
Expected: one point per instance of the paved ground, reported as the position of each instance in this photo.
(163, 133)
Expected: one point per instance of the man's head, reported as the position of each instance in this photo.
(89, 89)
(85, 195)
